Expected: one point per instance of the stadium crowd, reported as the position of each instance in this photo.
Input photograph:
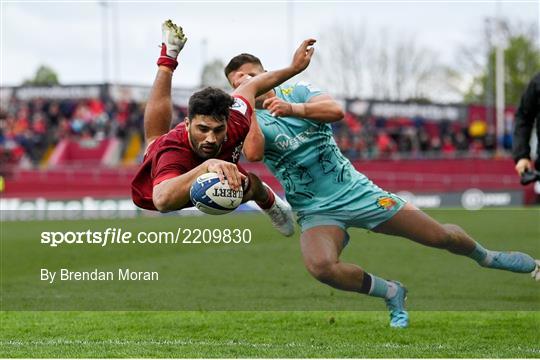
(31, 127)
(380, 138)
(28, 128)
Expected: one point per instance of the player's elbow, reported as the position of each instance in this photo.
(333, 112)
(253, 156)
(162, 200)
(253, 153)
(337, 113)
(161, 203)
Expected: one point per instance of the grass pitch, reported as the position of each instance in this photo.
(457, 308)
(268, 334)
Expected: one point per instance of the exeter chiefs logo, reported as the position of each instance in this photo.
(386, 202)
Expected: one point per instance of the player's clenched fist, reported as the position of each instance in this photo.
(226, 170)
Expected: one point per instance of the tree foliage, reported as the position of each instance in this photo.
(521, 63)
(353, 61)
(44, 76)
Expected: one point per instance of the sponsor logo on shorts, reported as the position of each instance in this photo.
(386, 202)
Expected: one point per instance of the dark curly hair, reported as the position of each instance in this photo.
(240, 60)
(210, 101)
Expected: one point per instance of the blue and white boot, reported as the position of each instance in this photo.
(399, 318)
(512, 261)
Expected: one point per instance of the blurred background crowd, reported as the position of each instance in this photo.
(30, 129)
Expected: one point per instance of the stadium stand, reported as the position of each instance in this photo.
(35, 121)
(73, 141)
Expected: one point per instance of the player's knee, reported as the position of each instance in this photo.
(322, 269)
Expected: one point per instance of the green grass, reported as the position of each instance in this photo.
(268, 334)
(457, 308)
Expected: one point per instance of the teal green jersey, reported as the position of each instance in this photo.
(304, 157)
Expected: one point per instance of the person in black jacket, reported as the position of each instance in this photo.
(527, 113)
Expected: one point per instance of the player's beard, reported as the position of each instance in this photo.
(204, 150)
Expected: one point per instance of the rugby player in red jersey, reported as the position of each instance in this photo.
(209, 140)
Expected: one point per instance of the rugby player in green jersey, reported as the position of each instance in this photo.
(329, 195)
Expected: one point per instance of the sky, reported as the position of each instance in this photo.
(69, 36)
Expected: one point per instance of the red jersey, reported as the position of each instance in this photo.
(171, 155)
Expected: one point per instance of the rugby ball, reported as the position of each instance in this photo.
(212, 197)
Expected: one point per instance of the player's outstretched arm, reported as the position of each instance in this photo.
(254, 143)
(265, 82)
(158, 110)
(173, 194)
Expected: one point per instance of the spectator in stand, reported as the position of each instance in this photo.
(39, 125)
(462, 144)
(477, 147)
(408, 141)
(121, 118)
(359, 147)
(53, 114)
(424, 142)
(385, 145)
(448, 148)
(64, 129)
(445, 128)
(21, 123)
(490, 140)
(435, 145)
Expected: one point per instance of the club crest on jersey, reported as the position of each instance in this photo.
(240, 106)
(236, 152)
(386, 202)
